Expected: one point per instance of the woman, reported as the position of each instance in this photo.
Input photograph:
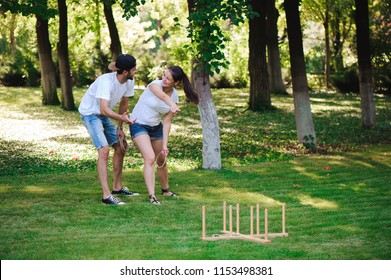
(152, 125)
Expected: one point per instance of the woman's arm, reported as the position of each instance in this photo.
(158, 92)
(166, 131)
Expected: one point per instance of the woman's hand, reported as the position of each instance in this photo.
(165, 151)
(174, 109)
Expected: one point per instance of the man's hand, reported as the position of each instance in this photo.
(125, 118)
(120, 134)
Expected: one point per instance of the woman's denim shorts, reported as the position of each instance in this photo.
(154, 132)
(101, 129)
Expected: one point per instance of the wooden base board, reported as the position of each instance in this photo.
(259, 238)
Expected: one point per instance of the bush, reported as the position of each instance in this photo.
(21, 71)
(383, 83)
(382, 77)
(13, 79)
(220, 81)
(346, 81)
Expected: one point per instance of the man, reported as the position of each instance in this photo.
(96, 108)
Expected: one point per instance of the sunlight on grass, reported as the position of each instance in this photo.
(181, 165)
(317, 203)
(21, 127)
(359, 187)
(323, 105)
(351, 229)
(303, 171)
(185, 130)
(35, 189)
(234, 196)
(365, 164)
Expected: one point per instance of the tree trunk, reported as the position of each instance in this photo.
(115, 46)
(303, 114)
(12, 36)
(48, 70)
(327, 43)
(211, 155)
(100, 61)
(63, 59)
(337, 40)
(364, 65)
(259, 77)
(274, 62)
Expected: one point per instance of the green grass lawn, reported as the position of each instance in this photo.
(338, 200)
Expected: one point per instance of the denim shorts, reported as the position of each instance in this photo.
(154, 132)
(101, 129)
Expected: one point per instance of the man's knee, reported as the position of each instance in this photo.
(103, 152)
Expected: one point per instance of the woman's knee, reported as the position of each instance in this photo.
(149, 160)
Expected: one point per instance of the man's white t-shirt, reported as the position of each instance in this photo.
(149, 109)
(105, 87)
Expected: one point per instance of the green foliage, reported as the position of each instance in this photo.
(309, 142)
(207, 37)
(18, 61)
(29, 7)
(225, 30)
(130, 7)
(380, 24)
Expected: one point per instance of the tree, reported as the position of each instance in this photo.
(115, 45)
(12, 35)
(273, 50)
(380, 45)
(42, 13)
(364, 65)
(99, 57)
(320, 10)
(68, 102)
(202, 24)
(341, 22)
(303, 114)
(48, 69)
(335, 16)
(207, 44)
(257, 64)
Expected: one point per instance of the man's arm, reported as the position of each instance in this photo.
(123, 108)
(106, 111)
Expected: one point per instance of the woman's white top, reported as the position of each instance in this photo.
(105, 87)
(150, 109)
